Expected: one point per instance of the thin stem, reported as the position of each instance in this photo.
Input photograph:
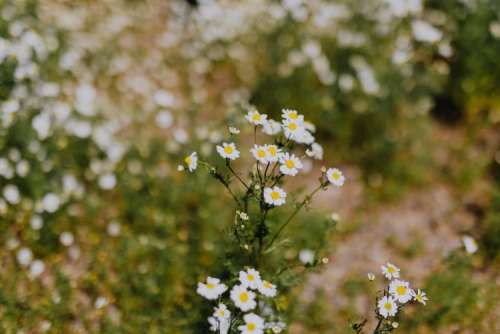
(221, 179)
(228, 164)
(301, 205)
(378, 326)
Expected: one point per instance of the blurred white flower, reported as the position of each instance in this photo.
(36, 222)
(306, 256)
(164, 119)
(470, 244)
(66, 238)
(37, 267)
(425, 32)
(100, 302)
(107, 181)
(50, 202)
(11, 194)
(114, 229)
(24, 256)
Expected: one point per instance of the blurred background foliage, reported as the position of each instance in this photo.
(100, 100)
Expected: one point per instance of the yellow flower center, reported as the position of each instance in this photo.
(401, 290)
(188, 160)
(292, 126)
(267, 285)
(221, 313)
(251, 327)
(419, 298)
(293, 115)
(210, 286)
(273, 151)
(391, 270)
(275, 195)
(388, 306)
(228, 149)
(336, 176)
(290, 164)
(256, 117)
(261, 153)
(250, 277)
(244, 297)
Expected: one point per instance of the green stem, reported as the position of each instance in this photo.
(299, 207)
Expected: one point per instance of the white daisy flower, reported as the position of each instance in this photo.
(212, 289)
(250, 278)
(260, 153)
(243, 299)
(309, 126)
(273, 153)
(290, 164)
(315, 152)
(335, 177)
(274, 196)
(214, 323)
(267, 289)
(271, 127)
(420, 296)
(290, 114)
(228, 151)
(304, 137)
(221, 312)
(233, 130)
(191, 161)
(470, 244)
(255, 117)
(387, 307)
(390, 271)
(293, 127)
(253, 324)
(401, 291)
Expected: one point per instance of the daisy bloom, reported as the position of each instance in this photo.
(290, 164)
(273, 153)
(212, 289)
(420, 297)
(228, 151)
(191, 161)
(401, 291)
(271, 127)
(243, 298)
(390, 271)
(387, 307)
(315, 152)
(233, 130)
(221, 312)
(267, 289)
(260, 153)
(255, 117)
(289, 114)
(293, 127)
(274, 196)
(253, 324)
(250, 278)
(335, 177)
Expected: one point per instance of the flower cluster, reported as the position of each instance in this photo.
(273, 163)
(244, 297)
(398, 293)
